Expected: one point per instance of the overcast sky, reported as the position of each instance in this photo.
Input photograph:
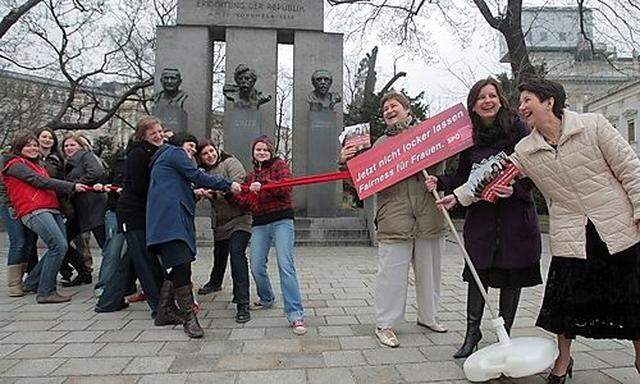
(447, 74)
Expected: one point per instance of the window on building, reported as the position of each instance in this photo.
(543, 36)
(631, 130)
(562, 36)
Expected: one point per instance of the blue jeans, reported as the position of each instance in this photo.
(111, 251)
(282, 234)
(146, 267)
(22, 241)
(50, 228)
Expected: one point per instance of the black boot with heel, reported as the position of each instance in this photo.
(475, 308)
(509, 299)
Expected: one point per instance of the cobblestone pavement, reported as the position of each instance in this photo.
(70, 343)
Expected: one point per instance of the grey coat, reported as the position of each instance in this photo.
(226, 218)
(89, 208)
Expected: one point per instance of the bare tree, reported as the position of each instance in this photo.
(15, 14)
(21, 105)
(87, 44)
(620, 21)
(283, 132)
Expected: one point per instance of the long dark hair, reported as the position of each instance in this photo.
(504, 119)
(55, 150)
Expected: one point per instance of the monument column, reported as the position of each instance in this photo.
(190, 50)
(315, 134)
(257, 49)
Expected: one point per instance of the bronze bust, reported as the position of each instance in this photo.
(242, 93)
(171, 93)
(321, 99)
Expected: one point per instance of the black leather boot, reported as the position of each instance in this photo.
(184, 298)
(475, 308)
(168, 313)
(509, 298)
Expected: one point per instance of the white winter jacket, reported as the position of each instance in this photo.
(593, 174)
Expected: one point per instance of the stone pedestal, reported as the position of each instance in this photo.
(243, 125)
(322, 199)
(172, 117)
(189, 49)
(313, 51)
(258, 49)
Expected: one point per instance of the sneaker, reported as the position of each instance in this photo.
(52, 298)
(297, 326)
(435, 327)
(386, 336)
(137, 297)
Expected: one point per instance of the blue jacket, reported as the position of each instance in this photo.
(171, 203)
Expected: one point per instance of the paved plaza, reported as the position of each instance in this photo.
(70, 343)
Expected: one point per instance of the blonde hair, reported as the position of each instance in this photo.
(78, 138)
(145, 123)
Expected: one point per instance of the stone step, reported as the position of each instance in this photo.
(310, 232)
(330, 222)
(331, 234)
(334, 243)
(310, 243)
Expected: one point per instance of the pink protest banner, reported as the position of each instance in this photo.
(408, 153)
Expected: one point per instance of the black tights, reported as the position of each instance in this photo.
(180, 275)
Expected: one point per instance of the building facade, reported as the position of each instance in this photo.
(29, 102)
(554, 39)
(621, 107)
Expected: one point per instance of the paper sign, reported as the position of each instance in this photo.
(419, 147)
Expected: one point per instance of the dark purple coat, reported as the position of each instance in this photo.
(504, 234)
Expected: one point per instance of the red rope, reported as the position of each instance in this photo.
(304, 180)
(295, 181)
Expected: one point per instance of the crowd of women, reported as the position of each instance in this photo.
(141, 211)
(588, 174)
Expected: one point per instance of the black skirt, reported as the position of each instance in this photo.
(506, 278)
(598, 298)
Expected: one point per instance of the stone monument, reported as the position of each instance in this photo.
(321, 99)
(252, 30)
(323, 140)
(168, 104)
(244, 122)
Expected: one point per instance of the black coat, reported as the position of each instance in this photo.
(132, 204)
(54, 165)
(116, 178)
(504, 234)
(88, 207)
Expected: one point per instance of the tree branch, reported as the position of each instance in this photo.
(57, 124)
(15, 14)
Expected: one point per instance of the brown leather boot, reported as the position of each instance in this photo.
(168, 313)
(14, 280)
(52, 298)
(184, 298)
